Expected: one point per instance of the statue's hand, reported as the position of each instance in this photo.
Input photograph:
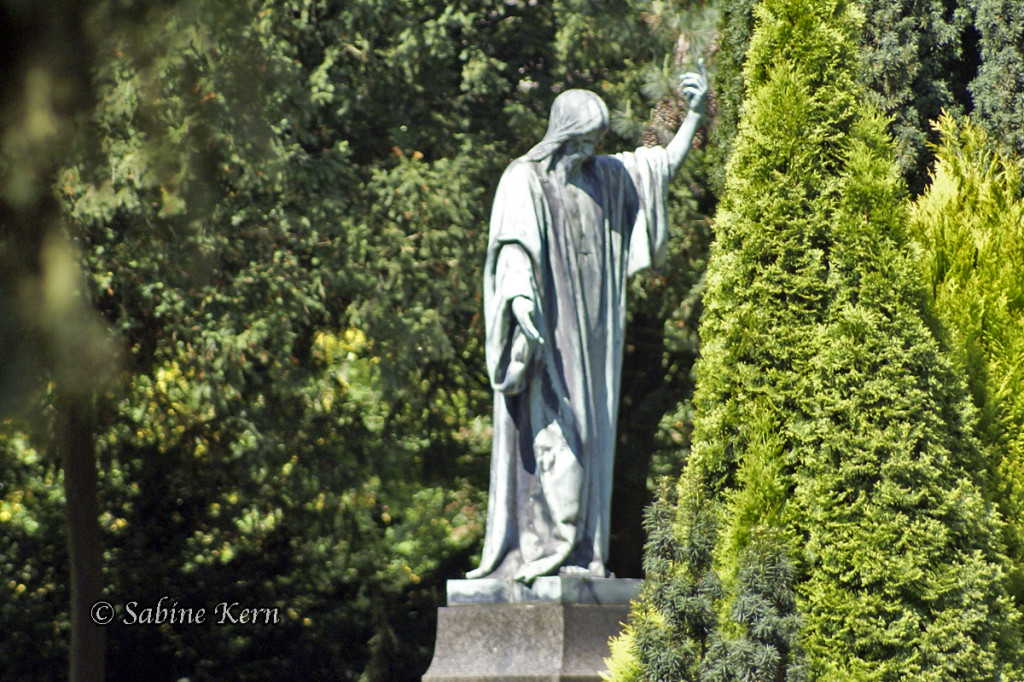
(695, 87)
(524, 310)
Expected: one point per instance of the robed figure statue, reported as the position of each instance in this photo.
(567, 230)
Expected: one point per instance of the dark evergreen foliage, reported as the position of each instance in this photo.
(998, 89)
(680, 594)
(735, 28)
(916, 60)
(765, 607)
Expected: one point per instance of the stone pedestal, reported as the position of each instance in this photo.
(557, 629)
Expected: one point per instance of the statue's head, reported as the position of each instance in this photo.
(579, 119)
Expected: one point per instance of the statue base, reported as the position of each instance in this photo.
(556, 629)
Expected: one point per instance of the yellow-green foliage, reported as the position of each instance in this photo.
(834, 468)
(622, 665)
(970, 224)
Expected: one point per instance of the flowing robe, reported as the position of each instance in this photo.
(570, 248)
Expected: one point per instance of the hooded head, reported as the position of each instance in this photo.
(574, 113)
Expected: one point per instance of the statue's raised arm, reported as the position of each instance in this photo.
(695, 88)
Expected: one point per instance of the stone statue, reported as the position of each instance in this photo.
(567, 230)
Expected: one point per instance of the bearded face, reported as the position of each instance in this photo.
(580, 149)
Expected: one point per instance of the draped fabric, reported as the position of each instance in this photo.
(570, 248)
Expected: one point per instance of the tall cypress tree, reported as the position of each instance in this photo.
(830, 431)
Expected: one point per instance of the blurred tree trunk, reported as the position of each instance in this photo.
(75, 443)
(56, 334)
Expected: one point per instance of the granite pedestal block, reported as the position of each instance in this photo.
(557, 629)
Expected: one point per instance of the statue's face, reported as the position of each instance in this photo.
(581, 148)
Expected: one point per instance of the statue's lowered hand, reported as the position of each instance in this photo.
(526, 341)
(523, 309)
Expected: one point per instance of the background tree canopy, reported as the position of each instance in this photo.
(280, 210)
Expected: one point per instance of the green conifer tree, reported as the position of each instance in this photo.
(736, 24)
(829, 428)
(682, 596)
(765, 604)
(970, 223)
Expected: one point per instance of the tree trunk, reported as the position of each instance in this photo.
(88, 640)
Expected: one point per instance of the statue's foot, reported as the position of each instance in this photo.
(574, 572)
(584, 572)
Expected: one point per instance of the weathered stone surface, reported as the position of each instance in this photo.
(537, 642)
(560, 589)
(500, 630)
